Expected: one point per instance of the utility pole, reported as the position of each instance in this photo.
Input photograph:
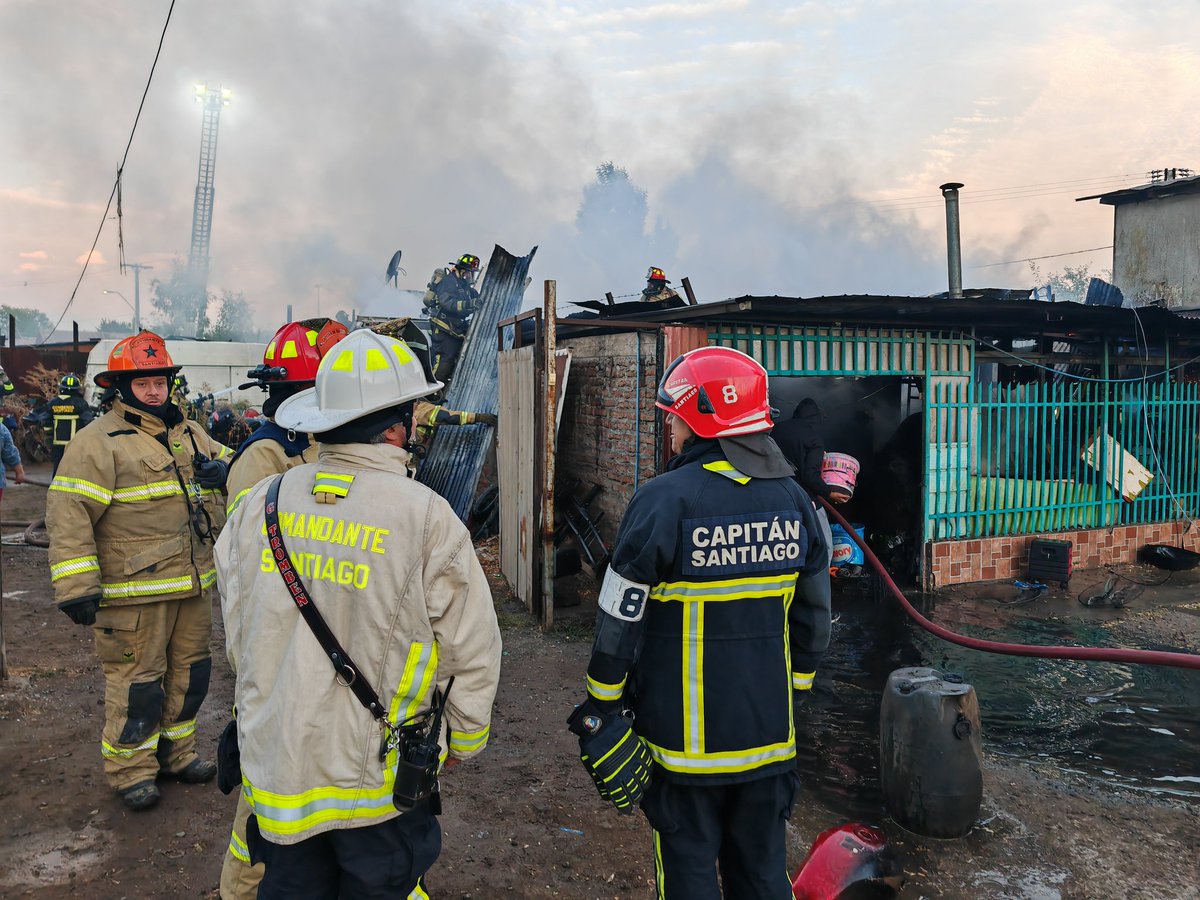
(318, 287)
(137, 293)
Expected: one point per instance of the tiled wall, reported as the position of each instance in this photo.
(1006, 558)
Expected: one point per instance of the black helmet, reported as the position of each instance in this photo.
(70, 384)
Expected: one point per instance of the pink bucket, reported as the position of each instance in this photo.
(840, 470)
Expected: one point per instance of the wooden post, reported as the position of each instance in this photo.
(687, 289)
(609, 297)
(3, 647)
(550, 443)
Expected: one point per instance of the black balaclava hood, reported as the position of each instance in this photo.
(168, 412)
(277, 393)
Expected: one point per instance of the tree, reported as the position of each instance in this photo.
(180, 304)
(112, 328)
(31, 323)
(233, 319)
(613, 206)
(611, 224)
(1069, 284)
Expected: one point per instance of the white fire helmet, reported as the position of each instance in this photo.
(363, 373)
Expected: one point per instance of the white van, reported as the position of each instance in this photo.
(209, 366)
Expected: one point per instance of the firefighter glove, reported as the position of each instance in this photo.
(486, 419)
(211, 473)
(82, 610)
(617, 759)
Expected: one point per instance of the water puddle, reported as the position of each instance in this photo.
(1133, 726)
(51, 858)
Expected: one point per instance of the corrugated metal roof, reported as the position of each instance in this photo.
(1151, 191)
(457, 454)
(987, 316)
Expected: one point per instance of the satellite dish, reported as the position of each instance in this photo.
(394, 269)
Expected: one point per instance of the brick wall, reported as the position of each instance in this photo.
(596, 437)
(1006, 558)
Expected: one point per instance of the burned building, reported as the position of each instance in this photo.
(980, 422)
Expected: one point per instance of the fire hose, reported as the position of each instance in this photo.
(1087, 654)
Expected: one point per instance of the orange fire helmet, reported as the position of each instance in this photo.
(142, 355)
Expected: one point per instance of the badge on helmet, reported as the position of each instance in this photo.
(718, 391)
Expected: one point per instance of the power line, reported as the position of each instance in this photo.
(1051, 256)
(117, 182)
(1022, 187)
(910, 204)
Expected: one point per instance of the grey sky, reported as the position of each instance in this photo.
(770, 138)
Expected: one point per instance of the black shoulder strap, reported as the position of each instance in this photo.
(347, 672)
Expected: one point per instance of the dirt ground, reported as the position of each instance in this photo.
(523, 820)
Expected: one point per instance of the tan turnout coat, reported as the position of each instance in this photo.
(119, 518)
(394, 574)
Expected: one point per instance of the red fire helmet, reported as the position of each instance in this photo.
(295, 352)
(718, 392)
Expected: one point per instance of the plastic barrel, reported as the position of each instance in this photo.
(845, 551)
(930, 752)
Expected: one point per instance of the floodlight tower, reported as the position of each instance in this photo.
(212, 100)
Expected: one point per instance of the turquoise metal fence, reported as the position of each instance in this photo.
(809, 351)
(1032, 458)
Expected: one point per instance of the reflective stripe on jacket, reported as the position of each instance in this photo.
(120, 523)
(395, 576)
(258, 460)
(703, 580)
(70, 414)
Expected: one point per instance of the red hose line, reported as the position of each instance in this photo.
(1090, 654)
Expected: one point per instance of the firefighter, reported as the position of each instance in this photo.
(8, 390)
(699, 636)
(802, 441)
(10, 457)
(393, 573)
(289, 366)
(450, 301)
(132, 515)
(656, 289)
(69, 412)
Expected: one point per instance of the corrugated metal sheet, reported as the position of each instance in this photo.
(456, 455)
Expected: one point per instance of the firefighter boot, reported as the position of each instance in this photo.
(198, 771)
(143, 795)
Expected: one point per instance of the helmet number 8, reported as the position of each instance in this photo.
(729, 394)
(631, 602)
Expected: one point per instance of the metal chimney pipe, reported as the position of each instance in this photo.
(953, 239)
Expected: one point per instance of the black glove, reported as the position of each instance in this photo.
(82, 610)
(211, 473)
(486, 419)
(618, 761)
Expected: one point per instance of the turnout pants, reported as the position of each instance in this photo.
(738, 830)
(156, 664)
(443, 350)
(239, 877)
(388, 860)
